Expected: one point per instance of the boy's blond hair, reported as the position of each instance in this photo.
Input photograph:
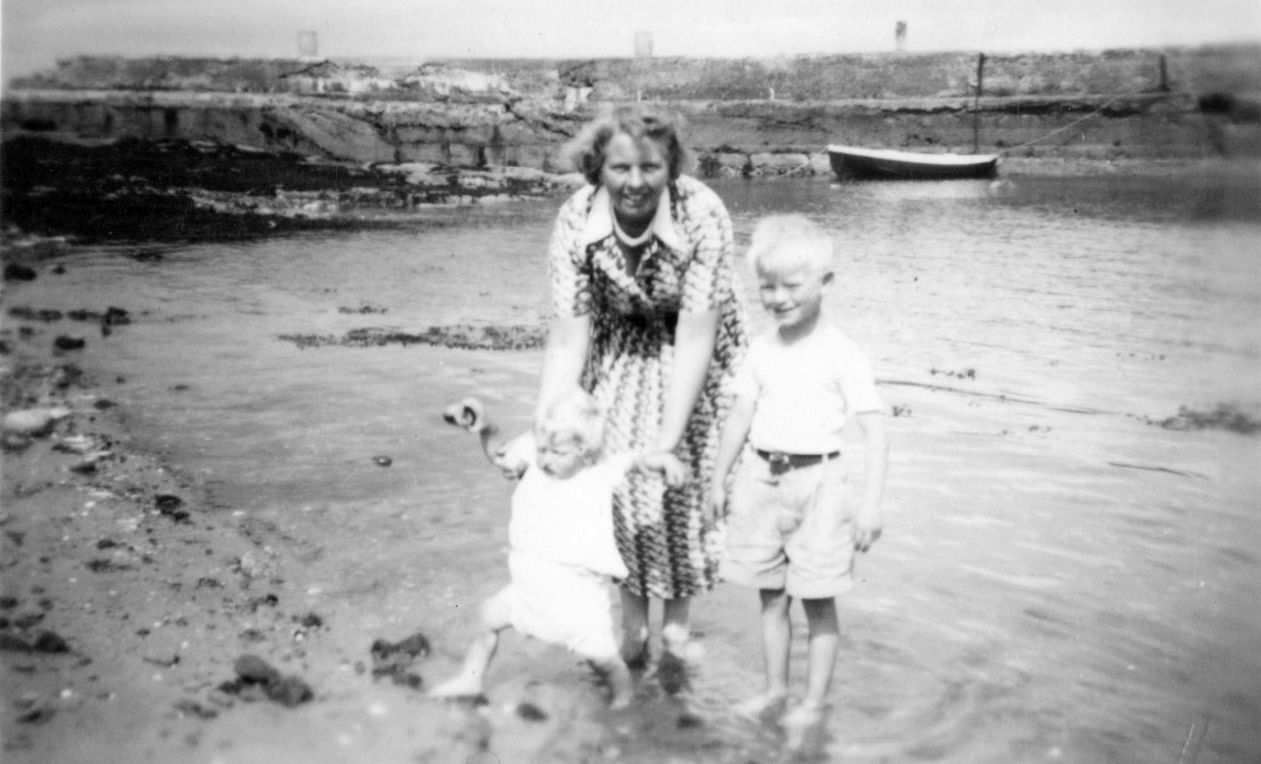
(786, 242)
(576, 417)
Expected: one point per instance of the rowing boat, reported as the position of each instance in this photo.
(854, 162)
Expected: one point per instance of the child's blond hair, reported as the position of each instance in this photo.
(787, 242)
(574, 417)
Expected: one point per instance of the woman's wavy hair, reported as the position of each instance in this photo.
(586, 149)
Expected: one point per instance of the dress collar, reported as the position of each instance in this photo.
(600, 220)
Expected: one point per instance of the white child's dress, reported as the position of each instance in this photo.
(562, 554)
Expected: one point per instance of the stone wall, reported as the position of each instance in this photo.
(745, 116)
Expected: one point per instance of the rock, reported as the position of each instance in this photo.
(64, 342)
(255, 670)
(289, 691)
(50, 642)
(33, 422)
(395, 659)
(382, 460)
(18, 272)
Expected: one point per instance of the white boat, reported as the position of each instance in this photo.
(854, 162)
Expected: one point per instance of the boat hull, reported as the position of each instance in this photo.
(852, 162)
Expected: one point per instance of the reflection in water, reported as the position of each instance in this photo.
(1059, 579)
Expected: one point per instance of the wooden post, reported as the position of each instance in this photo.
(976, 109)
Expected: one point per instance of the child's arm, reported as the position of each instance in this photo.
(670, 466)
(730, 443)
(867, 522)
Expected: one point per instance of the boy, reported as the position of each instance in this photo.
(562, 550)
(788, 534)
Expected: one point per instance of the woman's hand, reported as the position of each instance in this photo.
(513, 456)
(716, 508)
(666, 463)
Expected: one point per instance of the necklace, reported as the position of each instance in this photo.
(627, 239)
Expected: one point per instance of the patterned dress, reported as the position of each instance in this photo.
(686, 265)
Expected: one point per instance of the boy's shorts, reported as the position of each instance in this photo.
(789, 531)
(561, 604)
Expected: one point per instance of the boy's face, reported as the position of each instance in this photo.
(792, 296)
(561, 458)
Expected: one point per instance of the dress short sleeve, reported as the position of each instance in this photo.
(708, 226)
(566, 258)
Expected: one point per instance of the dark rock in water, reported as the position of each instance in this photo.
(13, 643)
(530, 712)
(18, 272)
(254, 674)
(252, 668)
(169, 505)
(50, 642)
(47, 315)
(289, 691)
(395, 659)
(462, 336)
(1224, 417)
(64, 342)
(688, 721)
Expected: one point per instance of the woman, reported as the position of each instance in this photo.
(648, 317)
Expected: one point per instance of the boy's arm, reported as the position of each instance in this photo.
(867, 522)
(734, 433)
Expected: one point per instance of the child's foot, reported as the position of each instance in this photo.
(800, 723)
(458, 688)
(762, 707)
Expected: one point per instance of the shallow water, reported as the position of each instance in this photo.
(1059, 579)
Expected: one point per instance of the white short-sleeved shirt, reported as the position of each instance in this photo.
(569, 521)
(805, 391)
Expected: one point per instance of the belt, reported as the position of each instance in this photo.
(781, 462)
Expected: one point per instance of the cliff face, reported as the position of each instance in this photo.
(745, 116)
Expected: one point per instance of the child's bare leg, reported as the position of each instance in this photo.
(470, 682)
(634, 628)
(776, 641)
(615, 672)
(821, 657)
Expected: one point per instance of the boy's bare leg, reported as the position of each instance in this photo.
(634, 629)
(615, 672)
(821, 659)
(776, 641)
(470, 682)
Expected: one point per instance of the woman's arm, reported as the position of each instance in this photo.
(694, 340)
(563, 359)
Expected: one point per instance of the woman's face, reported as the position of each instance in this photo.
(635, 173)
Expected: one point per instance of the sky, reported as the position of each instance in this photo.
(35, 33)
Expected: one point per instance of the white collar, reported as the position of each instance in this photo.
(600, 220)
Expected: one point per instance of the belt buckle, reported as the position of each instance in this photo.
(780, 462)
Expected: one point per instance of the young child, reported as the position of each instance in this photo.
(562, 549)
(788, 533)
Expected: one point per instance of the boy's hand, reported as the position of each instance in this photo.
(867, 528)
(669, 465)
(513, 456)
